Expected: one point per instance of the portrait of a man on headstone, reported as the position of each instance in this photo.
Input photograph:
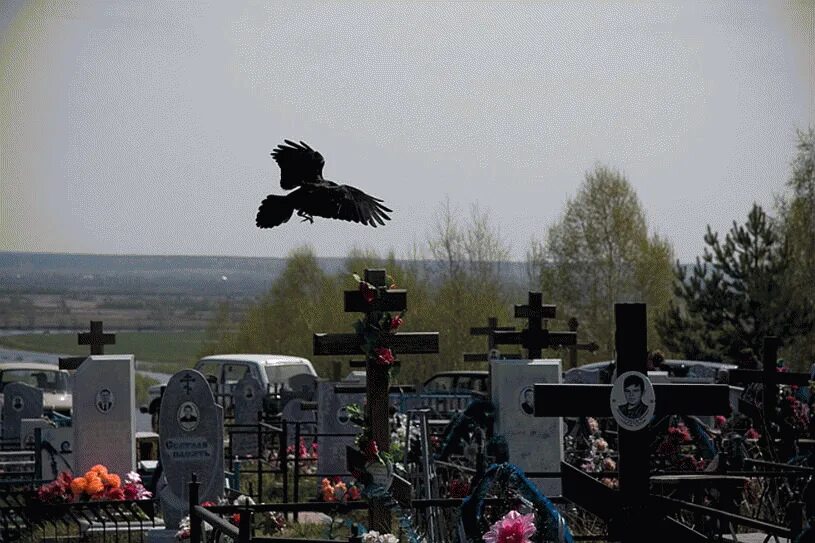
(17, 403)
(528, 400)
(188, 416)
(634, 407)
(104, 400)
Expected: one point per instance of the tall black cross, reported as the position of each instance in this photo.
(96, 338)
(376, 384)
(552, 400)
(535, 337)
(769, 377)
(492, 326)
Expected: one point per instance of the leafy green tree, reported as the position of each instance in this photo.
(598, 253)
(797, 215)
(735, 295)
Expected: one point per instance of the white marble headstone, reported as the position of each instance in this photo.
(535, 443)
(104, 411)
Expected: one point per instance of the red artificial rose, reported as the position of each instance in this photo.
(353, 494)
(371, 449)
(395, 323)
(368, 293)
(115, 494)
(235, 518)
(384, 356)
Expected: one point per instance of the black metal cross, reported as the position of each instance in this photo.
(492, 326)
(96, 338)
(769, 377)
(553, 400)
(535, 337)
(591, 346)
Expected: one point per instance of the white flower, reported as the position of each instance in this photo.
(389, 538)
(243, 500)
(371, 537)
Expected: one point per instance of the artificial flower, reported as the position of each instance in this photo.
(513, 528)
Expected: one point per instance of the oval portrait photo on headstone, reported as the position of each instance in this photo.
(104, 400)
(342, 415)
(188, 416)
(527, 400)
(17, 403)
(632, 400)
(248, 392)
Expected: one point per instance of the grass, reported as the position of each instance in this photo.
(179, 348)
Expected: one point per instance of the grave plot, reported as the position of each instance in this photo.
(632, 500)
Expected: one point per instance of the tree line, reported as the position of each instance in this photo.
(756, 280)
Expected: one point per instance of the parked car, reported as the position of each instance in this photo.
(678, 371)
(54, 383)
(458, 382)
(223, 371)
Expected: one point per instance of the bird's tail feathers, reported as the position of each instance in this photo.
(273, 211)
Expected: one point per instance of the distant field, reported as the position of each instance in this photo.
(179, 347)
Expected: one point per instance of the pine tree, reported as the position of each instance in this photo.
(735, 295)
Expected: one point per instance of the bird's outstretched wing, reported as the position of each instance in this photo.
(344, 202)
(299, 164)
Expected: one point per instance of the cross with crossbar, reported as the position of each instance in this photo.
(559, 400)
(97, 340)
(535, 336)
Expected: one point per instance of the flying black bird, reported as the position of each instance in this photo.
(301, 167)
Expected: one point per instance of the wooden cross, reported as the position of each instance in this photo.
(377, 379)
(769, 377)
(591, 346)
(492, 326)
(631, 503)
(535, 337)
(96, 338)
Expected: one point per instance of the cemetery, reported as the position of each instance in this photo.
(719, 454)
(407, 272)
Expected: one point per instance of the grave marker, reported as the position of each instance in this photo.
(191, 440)
(634, 446)
(333, 418)
(535, 444)
(489, 331)
(247, 395)
(377, 377)
(535, 337)
(769, 377)
(97, 340)
(21, 401)
(104, 407)
(295, 411)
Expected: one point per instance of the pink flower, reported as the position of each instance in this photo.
(601, 444)
(752, 434)
(513, 528)
(719, 421)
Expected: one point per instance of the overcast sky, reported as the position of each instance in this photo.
(146, 127)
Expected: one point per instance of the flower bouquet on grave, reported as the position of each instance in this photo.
(376, 325)
(96, 485)
(337, 491)
(376, 537)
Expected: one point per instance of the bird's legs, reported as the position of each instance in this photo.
(306, 216)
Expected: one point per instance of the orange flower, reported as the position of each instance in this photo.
(78, 485)
(91, 475)
(95, 486)
(112, 480)
(100, 469)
